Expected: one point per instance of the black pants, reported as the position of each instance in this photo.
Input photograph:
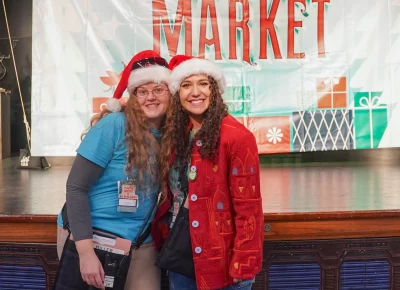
(69, 275)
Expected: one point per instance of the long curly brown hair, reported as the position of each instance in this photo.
(209, 132)
(139, 140)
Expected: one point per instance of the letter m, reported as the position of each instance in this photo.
(172, 30)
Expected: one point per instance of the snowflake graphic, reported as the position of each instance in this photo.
(274, 135)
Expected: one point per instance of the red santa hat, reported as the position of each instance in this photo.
(183, 66)
(145, 67)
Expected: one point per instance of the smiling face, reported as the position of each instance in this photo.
(153, 100)
(194, 94)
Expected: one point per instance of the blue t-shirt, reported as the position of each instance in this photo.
(106, 146)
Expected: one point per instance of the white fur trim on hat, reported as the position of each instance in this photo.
(152, 74)
(196, 66)
(113, 105)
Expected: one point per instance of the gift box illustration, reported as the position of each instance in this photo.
(370, 119)
(238, 99)
(322, 130)
(332, 92)
(272, 133)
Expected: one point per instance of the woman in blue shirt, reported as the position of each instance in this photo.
(121, 147)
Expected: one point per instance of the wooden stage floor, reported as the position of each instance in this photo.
(323, 188)
(324, 214)
(290, 193)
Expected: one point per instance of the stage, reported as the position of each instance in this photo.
(324, 213)
(285, 189)
(290, 193)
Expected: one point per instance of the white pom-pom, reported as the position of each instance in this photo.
(113, 105)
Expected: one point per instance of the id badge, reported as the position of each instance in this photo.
(128, 200)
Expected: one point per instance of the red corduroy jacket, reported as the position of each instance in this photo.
(225, 210)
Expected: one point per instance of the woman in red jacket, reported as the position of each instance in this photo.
(216, 226)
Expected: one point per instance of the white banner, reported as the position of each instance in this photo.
(302, 75)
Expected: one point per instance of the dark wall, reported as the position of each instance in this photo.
(19, 15)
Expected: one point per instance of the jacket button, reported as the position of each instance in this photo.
(195, 224)
(197, 250)
(193, 197)
(199, 143)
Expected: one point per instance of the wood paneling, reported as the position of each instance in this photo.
(277, 227)
(28, 232)
(306, 229)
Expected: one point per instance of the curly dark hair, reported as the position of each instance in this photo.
(209, 132)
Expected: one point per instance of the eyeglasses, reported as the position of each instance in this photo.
(143, 93)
